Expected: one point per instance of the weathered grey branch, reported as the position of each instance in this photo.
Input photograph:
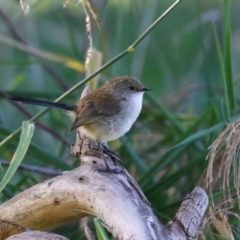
(190, 214)
(36, 235)
(80, 192)
(115, 198)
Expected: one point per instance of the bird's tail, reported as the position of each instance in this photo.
(43, 103)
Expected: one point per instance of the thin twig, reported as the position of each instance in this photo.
(67, 61)
(89, 35)
(32, 168)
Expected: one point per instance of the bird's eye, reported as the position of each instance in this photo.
(132, 88)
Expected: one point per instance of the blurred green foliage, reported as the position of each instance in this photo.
(179, 60)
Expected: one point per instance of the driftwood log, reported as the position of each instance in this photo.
(115, 198)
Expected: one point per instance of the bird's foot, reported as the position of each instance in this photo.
(108, 170)
(115, 157)
(103, 148)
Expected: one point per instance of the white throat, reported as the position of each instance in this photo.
(130, 114)
(134, 107)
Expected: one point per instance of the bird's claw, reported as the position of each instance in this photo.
(107, 170)
(115, 157)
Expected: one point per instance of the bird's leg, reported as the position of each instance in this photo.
(102, 153)
(116, 158)
(108, 169)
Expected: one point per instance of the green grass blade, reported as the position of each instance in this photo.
(206, 132)
(164, 184)
(101, 233)
(228, 57)
(25, 138)
(174, 153)
(200, 134)
(166, 113)
(138, 161)
(221, 62)
(166, 159)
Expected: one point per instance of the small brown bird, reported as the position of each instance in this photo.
(106, 113)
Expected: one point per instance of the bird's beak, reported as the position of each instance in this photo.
(146, 89)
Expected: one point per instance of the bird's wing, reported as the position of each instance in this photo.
(90, 110)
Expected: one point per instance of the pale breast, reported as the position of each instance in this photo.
(125, 119)
(111, 128)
